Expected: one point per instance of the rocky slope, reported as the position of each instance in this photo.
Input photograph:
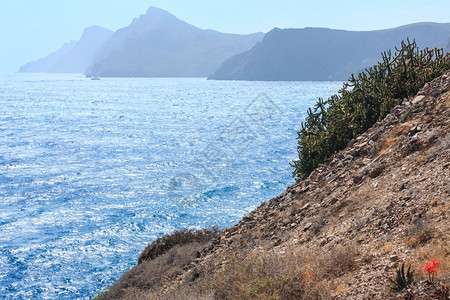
(339, 233)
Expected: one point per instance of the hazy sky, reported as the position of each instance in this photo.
(30, 29)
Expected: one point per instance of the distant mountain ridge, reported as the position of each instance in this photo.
(157, 44)
(322, 53)
(72, 57)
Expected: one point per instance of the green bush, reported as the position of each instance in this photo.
(364, 100)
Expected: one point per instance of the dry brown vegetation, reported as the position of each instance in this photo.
(160, 261)
(177, 238)
(301, 274)
(338, 234)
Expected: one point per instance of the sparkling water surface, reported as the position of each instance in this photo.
(91, 171)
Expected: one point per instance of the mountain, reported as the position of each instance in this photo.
(72, 57)
(323, 54)
(446, 46)
(46, 63)
(338, 234)
(157, 44)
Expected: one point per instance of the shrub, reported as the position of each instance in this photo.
(420, 234)
(318, 224)
(341, 260)
(364, 100)
(269, 276)
(177, 238)
(160, 262)
(376, 171)
(151, 275)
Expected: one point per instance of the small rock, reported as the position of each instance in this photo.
(393, 257)
(361, 145)
(402, 185)
(357, 179)
(306, 206)
(333, 201)
(435, 92)
(307, 226)
(418, 99)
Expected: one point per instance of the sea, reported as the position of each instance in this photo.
(92, 171)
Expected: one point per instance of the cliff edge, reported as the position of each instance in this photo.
(338, 234)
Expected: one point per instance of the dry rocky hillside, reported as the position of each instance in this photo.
(338, 234)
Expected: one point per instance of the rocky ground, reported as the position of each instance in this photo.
(384, 200)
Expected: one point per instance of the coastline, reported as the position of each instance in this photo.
(378, 203)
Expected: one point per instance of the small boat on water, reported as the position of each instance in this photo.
(95, 78)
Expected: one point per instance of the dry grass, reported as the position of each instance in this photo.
(153, 274)
(341, 260)
(386, 247)
(395, 136)
(341, 289)
(268, 276)
(437, 251)
(177, 238)
(300, 274)
(375, 172)
(420, 234)
(160, 262)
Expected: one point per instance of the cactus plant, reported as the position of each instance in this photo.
(364, 100)
(402, 279)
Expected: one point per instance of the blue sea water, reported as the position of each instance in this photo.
(92, 171)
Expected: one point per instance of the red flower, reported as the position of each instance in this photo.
(435, 263)
(430, 268)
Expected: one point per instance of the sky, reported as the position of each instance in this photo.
(31, 29)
